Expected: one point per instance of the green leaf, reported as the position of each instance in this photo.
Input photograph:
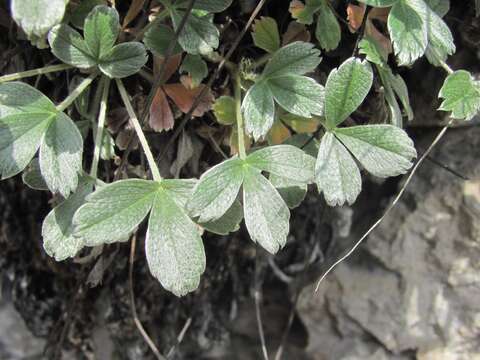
(379, 3)
(224, 110)
(440, 38)
(461, 94)
(369, 47)
(383, 150)
(296, 58)
(158, 38)
(32, 177)
(37, 17)
(265, 34)
(216, 190)
(408, 30)
(327, 31)
(57, 228)
(229, 222)
(25, 114)
(68, 45)
(258, 109)
(173, 246)
(336, 173)
(61, 155)
(199, 36)
(299, 95)
(213, 6)
(441, 7)
(114, 211)
(305, 15)
(124, 60)
(196, 67)
(286, 161)
(266, 214)
(77, 14)
(346, 89)
(292, 192)
(101, 30)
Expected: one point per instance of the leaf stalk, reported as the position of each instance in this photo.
(138, 129)
(238, 111)
(102, 114)
(34, 72)
(76, 92)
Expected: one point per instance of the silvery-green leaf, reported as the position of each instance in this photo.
(77, 14)
(440, 38)
(258, 109)
(379, 3)
(369, 47)
(346, 88)
(199, 36)
(101, 29)
(265, 34)
(124, 60)
(173, 246)
(266, 214)
(286, 161)
(158, 38)
(461, 94)
(441, 7)
(296, 58)
(180, 190)
(336, 173)
(327, 31)
(57, 228)
(37, 17)
(216, 190)
(229, 222)
(114, 211)
(196, 67)
(18, 97)
(408, 30)
(299, 95)
(68, 45)
(292, 192)
(32, 177)
(61, 155)
(383, 150)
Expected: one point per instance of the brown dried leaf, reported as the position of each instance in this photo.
(295, 8)
(295, 32)
(171, 67)
(161, 117)
(278, 133)
(184, 98)
(355, 15)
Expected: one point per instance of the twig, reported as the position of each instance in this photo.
(180, 338)
(391, 206)
(291, 316)
(212, 78)
(136, 320)
(258, 297)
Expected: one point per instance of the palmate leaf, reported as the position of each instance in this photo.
(173, 246)
(98, 48)
(282, 81)
(29, 121)
(345, 90)
(266, 214)
(461, 94)
(37, 17)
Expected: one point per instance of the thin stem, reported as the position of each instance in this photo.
(445, 66)
(138, 129)
(100, 127)
(238, 104)
(76, 92)
(35, 72)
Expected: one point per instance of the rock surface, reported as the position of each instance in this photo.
(412, 290)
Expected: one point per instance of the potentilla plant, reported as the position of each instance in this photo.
(276, 97)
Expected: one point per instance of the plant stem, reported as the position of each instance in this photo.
(76, 92)
(138, 129)
(100, 127)
(238, 109)
(34, 72)
(445, 66)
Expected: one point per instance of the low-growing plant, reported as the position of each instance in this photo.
(288, 130)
